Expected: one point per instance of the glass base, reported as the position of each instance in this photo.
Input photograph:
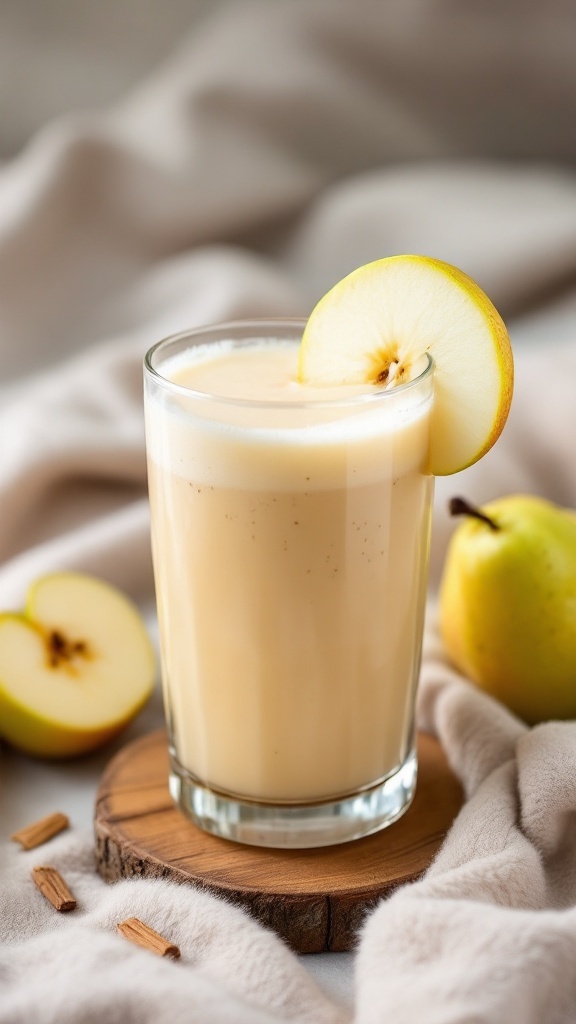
(295, 826)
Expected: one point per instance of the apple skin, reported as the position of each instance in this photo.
(508, 606)
(82, 703)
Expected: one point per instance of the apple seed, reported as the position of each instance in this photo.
(62, 650)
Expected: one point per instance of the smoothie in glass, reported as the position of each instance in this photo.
(290, 532)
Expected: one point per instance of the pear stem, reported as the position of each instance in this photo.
(461, 507)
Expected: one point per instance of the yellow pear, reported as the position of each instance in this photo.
(508, 604)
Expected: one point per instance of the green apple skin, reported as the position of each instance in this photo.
(508, 606)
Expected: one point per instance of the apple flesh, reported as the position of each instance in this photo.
(75, 667)
(377, 325)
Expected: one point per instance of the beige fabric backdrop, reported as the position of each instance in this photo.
(284, 146)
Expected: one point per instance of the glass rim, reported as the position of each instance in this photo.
(371, 397)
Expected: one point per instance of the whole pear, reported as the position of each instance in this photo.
(508, 604)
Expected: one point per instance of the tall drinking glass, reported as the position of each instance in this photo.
(290, 536)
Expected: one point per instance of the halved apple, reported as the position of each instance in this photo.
(375, 326)
(75, 667)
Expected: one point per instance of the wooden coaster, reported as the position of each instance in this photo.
(314, 899)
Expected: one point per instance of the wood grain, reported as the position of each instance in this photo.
(314, 899)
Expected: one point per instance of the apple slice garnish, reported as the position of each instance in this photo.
(376, 327)
(75, 667)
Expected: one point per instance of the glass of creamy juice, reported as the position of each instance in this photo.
(290, 536)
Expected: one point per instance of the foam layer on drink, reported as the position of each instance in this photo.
(238, 418)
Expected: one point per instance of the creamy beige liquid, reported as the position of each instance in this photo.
(290, 549)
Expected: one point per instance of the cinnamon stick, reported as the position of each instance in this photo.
(41, 831)
(142, 935)
(54, 888)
